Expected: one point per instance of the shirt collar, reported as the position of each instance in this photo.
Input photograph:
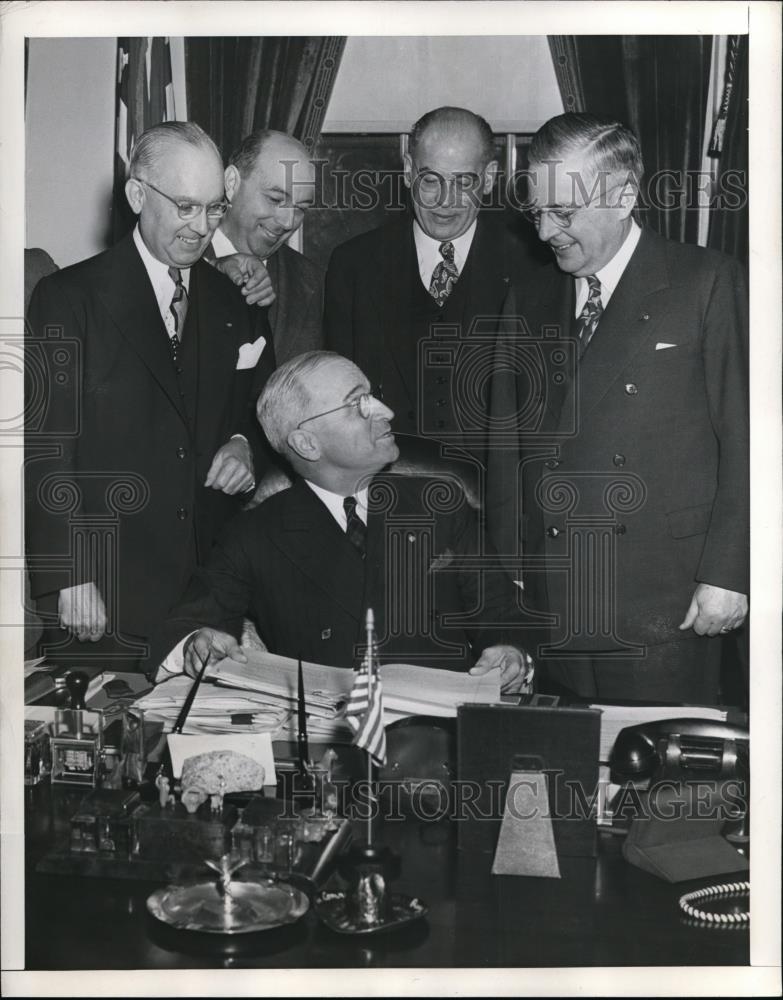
(609, 275)
(221, 244)
(334, 503)
(428, 250)
(158, 272)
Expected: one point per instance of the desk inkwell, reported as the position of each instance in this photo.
(368, 906)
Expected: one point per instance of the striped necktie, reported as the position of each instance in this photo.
(178, 309)
(590, 314)
(356, 529)
(445, 274)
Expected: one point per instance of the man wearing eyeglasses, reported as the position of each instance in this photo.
(148, 406)
(402, 301)
(634, 513)
(305, 564)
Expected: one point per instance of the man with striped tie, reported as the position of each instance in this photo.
(351, 533)
(403, 300)
(633, 463)
(143, 451)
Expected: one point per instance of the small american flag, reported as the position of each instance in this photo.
(364, 713)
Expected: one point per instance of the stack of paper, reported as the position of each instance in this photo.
(215, 709)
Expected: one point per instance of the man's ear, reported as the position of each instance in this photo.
(134, 192)
(232, 181)
(627, 195)
(490, 173)
(407, 169)
(304, 444)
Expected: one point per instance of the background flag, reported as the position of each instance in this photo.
(364, 714)
(145, 97)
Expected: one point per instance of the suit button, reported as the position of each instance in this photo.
(553, 532)
(619, 460)
(182, 513)
(179, 370)
(644, 317)
(440, 402)
(181, 452)
(620, 529)
(552, 463)
(631, 388)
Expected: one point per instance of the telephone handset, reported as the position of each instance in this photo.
(682, 749)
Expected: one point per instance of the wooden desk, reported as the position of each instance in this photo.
(603, 912)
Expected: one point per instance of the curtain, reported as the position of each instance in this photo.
(729, 218)
(238, 85)
(145, 97)
(658, 86)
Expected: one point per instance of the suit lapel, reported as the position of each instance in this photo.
(294, 291)
(391, 291)
(129, 299)
(216, 342)
(312, 539)
(623, 331)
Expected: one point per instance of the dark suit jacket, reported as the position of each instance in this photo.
(289, 567)
(117, 438)
(295, 315)
(372, 289)
(647, 444)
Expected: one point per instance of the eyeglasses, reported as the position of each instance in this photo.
(362, 403)
(191, 209)
(562, 217)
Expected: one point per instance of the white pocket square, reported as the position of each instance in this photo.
(250, 353)
(663, 347)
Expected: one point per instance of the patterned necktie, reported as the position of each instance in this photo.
(445, 274)
(590, 314)
(178, 309)
(356, 528)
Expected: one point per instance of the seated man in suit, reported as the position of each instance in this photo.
(270, 184)
(141, 452)
(448, 264)
(306, 563)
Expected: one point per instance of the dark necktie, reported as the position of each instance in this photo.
(445, 275)
(356, 529)
(590, 315)
(178, 308)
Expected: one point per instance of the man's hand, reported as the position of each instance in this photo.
(516, 668)
(714, 610)
(82, 612)
(252, 277)
(232, 468)
(210, 646)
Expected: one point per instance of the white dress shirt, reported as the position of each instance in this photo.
(223, 246)
(610, 274)
(160, 279)
(429, 255)
(334, 503)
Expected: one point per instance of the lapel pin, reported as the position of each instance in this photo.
(411, 537)
(326, 633)
(229, 324)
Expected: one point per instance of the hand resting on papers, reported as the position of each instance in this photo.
(208, 644)
(516, 668)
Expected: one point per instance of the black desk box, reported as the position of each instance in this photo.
(494, 740)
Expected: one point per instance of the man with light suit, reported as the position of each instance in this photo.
(633, 478)
(143, 453)
(351, 533)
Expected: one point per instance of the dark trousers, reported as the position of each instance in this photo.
(685, 671)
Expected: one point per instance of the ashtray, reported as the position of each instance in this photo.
(333, 910)
(236, 907)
